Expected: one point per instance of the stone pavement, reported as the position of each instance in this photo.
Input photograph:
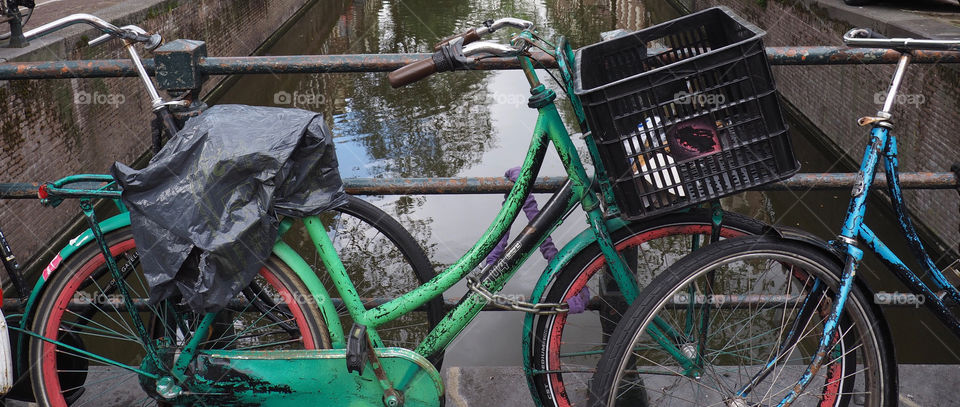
(496, 386)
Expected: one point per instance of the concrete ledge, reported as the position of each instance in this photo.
(59, 44)
(920, 385)
(495, 386)
(892, 21)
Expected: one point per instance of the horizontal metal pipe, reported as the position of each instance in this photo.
(342, 63)
(19, 190)
(433, 186)
(499, 185)
(116, 304)
(821, 55)
(908, 180)
(107, 68)
(493, 185)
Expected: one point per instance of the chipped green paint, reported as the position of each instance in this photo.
(318, 292)
(338, 274)
(456, 320)
(290, 377)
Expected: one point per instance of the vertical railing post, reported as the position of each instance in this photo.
(16, 25)
(177, 65)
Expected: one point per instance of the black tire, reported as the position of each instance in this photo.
(660, 240)
(858, 371)
(62, 377)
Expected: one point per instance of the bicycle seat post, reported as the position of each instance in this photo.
(895, 85)
(156, 102)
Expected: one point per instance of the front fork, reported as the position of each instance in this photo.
(847, 238)
(851, 228)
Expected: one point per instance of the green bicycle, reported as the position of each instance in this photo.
(94, 337)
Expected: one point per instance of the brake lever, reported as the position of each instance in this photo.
(489, 26)
(132, 33)
(517, 23)
(492, 48)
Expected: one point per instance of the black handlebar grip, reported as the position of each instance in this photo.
(411, 73)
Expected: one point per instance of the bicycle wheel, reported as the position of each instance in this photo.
(748, 310)
(84, 309)
(566, 347)
(362, 233)
(383, 260)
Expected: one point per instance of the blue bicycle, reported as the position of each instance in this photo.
(780, 318)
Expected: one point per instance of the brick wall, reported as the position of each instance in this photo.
(53, 128)
(833, 97)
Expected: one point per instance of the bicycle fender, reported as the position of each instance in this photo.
(802, 236)
(584, 239)
(114, 223)
(320, 296)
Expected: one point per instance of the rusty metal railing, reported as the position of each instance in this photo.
(497, 185)
(14, 305)
(183, 65)
(811, 55)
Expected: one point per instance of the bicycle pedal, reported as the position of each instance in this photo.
(357, 348)
(952, 273)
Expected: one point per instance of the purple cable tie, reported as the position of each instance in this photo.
(578, 303)
(547, 249)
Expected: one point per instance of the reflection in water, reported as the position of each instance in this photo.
(464, 124)
(376, 266)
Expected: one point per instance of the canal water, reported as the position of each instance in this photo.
(476, 123)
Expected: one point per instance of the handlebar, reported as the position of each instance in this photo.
(411, 73)
(454, 52)
(138, 34)
(450, 57)
(489, 26)
(867, 38)
(130, 32)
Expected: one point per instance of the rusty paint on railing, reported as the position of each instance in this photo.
(493, 185)
(812, 55)
(499, 185)
(822, 55)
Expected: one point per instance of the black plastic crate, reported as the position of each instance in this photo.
(684, 112)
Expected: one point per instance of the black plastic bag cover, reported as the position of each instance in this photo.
(214, 193)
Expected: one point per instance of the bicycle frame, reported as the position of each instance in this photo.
(882, 145)
(579, 189)
(549, 128)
